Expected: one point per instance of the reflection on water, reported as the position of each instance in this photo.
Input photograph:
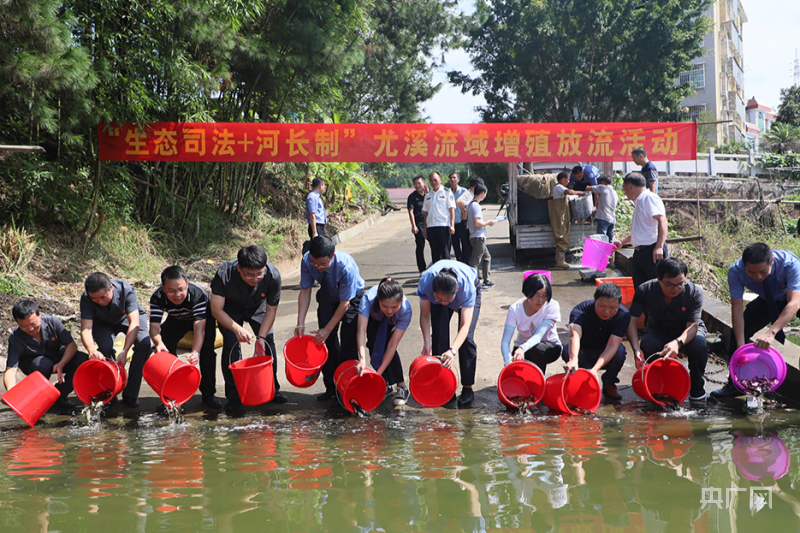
(434, 471)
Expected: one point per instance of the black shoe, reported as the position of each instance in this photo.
(65, 403)
(212, 402)
(232, 407)
(467, 395)
(279, 398)
(727, 392)
(698, 403)
(327, 395)
(130, 402)
(488, 284)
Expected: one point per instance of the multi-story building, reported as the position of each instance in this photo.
(718, 76)
(760, 119)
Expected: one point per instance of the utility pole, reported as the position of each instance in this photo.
(796, 69)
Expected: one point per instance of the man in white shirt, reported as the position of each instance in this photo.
(648, 229)
(440, 218)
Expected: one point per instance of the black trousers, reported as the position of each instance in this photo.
(696, 353)
(394, 372)
(320, 231)
(44, 365)
(341, 347)
(232, 352)
(172, 331)
(543, 354)
(466, 246)
(419, 241)
(104, 333)
(439, 239)
(440, 337)
(756, 316)
(460, 227)
(642, 266)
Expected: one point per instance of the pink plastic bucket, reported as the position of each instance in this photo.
(520, 378)
(757, 458)
(749, 362)
(581, 390)
(663, 376)
(31, 397)
(529, 273)
(596, 254)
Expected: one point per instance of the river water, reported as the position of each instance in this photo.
(634, 469)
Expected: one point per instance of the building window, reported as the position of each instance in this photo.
(694, 112)
(696, 77)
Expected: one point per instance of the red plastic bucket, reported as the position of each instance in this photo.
(430, 383)
(99, 379)
(663, 376)
(254, 379)
(31, 397)
(520, 378)
(368, 389)
(581, 390)
(749, 362)
(172, 379)
(303, 360)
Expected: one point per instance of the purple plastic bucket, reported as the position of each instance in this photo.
(757, 458)
(596, 254)
(749, 362)
(529, 273)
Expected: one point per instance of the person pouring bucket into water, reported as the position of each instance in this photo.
(447, 287)
(384, 316)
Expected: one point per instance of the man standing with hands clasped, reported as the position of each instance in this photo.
(414, 204)
(440, 218)
(774, 275)
(648, 229)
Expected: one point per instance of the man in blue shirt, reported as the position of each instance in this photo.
(461, 221)
(316, 215)
(582, 177)
(338, 299)
(596, 330)
(774, 275)
(649, 170)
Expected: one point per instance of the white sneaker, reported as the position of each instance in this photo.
(401, 396)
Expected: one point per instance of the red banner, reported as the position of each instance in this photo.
(401, 143)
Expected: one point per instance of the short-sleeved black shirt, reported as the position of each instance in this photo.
(54, 338)
(415, 202)
(193, 307)
(650, 173)
(594, 331)
(122, 303)
(242, 300)
(671, 318)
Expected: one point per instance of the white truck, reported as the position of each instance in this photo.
(529, 227)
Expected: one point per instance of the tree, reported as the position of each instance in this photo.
(781, 138)
(789, 108)
(581, 60)
(396, 73)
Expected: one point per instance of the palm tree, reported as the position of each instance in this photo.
(782, 138)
